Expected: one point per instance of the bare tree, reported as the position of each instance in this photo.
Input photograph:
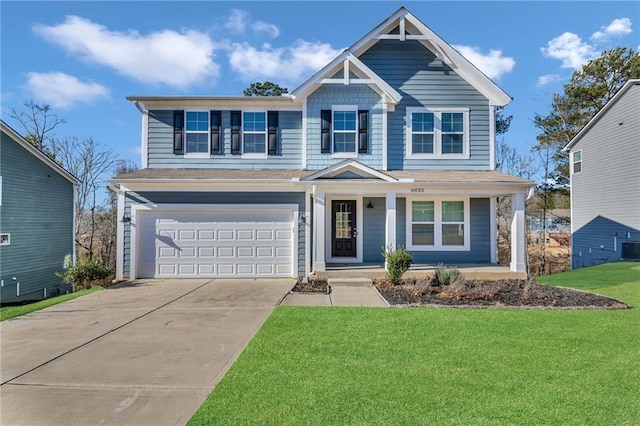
(38, 122)
(92, 162)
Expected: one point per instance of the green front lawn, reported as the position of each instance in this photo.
(433, 366)
(8, 312)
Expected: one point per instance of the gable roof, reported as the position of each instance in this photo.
(350, 165)
(411, 28)
(349, 63)
(37, 153)
(625, 88)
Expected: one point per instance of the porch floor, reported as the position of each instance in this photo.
(373, 271)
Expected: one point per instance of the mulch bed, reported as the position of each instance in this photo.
(502, 293)
(311, 286)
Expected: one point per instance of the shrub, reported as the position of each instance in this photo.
(83, 273)
(446, 276)
(397, 261)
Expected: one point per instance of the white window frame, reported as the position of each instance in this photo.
(573, 162)
(437, 130)
(437, 237)
(188, 154)
(352, 108)
(254, 132)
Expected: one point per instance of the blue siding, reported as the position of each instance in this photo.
(326, 96)
(480, 236)
(160, 145)
(216, 198)
(424, 80)
(37, 212)
(373, 239)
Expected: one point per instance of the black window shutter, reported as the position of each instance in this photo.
(363, 131)
(178, 132)
(325, 141)
(216, 132)
(236, 122)
(272, 118)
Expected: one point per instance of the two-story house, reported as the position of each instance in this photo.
(391, 143)
(605, 182)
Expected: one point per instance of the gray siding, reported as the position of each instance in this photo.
(606, 193)
(37, 210)
(160, 145)
(480, 236)
(332, 94)
(374, 230)
(423, 80)
(216, 198)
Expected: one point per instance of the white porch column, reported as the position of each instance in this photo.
(319, 235)
(390, 223)
(518, 236)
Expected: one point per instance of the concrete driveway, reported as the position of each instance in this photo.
(146, 353)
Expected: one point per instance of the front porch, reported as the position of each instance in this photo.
(418, 270)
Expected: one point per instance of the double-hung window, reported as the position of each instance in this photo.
(345, 130)
(438, 225)
(576, 162)
(254, 133)
(197, 132)
(433, 133)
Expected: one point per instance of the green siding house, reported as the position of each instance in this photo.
(36, 220)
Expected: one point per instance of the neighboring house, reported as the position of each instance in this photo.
(391, 143)
(553, 220)
(605, 182)
(36, 220)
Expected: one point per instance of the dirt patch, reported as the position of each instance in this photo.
(311, 286)
(502, 293)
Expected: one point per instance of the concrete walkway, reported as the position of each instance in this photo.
(341, 295)
(148, 353)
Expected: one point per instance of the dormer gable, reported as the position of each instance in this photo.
(350, 169)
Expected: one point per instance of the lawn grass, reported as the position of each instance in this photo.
(314, 365)
(8, 312)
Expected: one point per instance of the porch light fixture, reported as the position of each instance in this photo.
(126, 219)
(370, 205)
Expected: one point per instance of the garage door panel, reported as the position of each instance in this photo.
(188, 244)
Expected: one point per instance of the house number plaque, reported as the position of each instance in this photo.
(417, 189)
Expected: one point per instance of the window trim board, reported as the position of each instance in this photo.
(437, 246)
(437, 133)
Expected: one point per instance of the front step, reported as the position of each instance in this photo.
(349, 282)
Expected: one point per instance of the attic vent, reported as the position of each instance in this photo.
(631, 250)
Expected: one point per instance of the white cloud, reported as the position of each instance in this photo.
(62, 90)
(166, 57)
(284, 64)
(237, 21)
(493, 64)
(543, 80)
(617, 27)
(570, 49)
(265, 27)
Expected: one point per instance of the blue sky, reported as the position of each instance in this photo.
(83, 58)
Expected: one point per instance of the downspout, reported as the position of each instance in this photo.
(145, 124)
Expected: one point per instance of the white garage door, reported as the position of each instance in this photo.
(215, 244)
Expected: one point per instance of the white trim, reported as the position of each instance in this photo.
(437, 246)
(260, 155)
(518, 235)
(492, 137)
(329, 199)
(320, 207)
(390, 234)
(344, 154)
(188, 154)
(308, 236)
(304, 135)
(5, 239)
(437, 133)
(493, 229)
(601, 113)
(120, 236)
(573, 161)
(144, 154)
(349, 165)
(137, 209)
(384, 136)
